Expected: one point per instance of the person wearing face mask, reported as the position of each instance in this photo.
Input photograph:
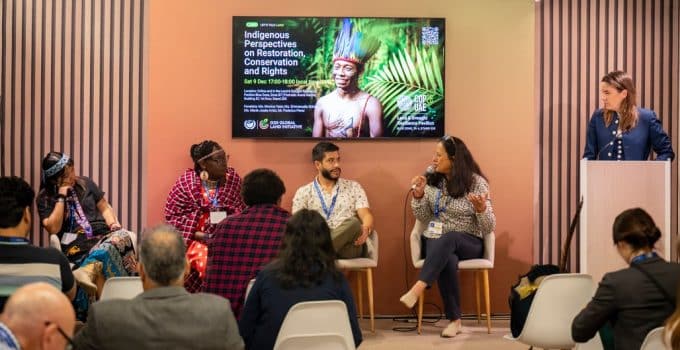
(347, 111)
(634, 300)
(201, 198)
(341, 202)
(74, 209)
(621, 130)
(454, 200)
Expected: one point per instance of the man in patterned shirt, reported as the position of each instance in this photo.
(342, 202)
(244, 242)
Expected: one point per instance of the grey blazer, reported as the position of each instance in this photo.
(161, 318)
(631, 302)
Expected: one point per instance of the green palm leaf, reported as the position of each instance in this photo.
(408, 73)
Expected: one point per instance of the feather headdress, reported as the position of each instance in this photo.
(353, 46)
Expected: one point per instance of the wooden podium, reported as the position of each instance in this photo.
(607, 189)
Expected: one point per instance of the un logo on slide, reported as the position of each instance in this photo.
(249, 124)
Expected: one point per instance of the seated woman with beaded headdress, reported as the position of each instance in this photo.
(343, 112)
(75, 210)
(201, 198)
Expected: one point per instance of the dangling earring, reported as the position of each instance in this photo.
(204, 175)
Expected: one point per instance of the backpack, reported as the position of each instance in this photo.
(522, 293)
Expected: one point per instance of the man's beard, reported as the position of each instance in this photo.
(327, 174)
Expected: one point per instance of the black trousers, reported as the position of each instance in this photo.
(441, 264)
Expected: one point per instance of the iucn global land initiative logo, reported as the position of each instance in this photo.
(264, 123)
(249, 124)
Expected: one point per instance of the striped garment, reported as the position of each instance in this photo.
(22, 263)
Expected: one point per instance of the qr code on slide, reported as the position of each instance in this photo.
(430, 36)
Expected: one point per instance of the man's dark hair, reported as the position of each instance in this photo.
(162, 254)
(321, 149)
(15, 195)
(262, 186)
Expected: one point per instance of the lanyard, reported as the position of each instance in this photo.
(326, 210)
(643, 257)
(212, 199)
(438, 210)
(14, 240)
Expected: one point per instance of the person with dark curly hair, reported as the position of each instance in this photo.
(201, 198)
(244, 242)
(634, 300)
(454, 200)
(303, 271)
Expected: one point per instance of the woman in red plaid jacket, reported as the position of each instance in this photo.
(201, 198)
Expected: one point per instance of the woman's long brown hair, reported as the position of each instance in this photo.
(628, 109)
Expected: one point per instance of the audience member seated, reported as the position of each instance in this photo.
(342, 202)
(201, 198)
(20, 262)
(671, 332)
(74, 208)
(304, 271)
(243, 243)
(636, 299)
(37, 317)
(165, 316)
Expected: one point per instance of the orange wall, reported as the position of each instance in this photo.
(489, 104)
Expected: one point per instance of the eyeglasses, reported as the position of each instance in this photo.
(70, 345)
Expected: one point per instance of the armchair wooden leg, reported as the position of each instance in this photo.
(369, 285)
(487, 299)
(477, 299)
(421, 301)
(360, 294)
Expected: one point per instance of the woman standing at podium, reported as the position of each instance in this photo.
(621, 130)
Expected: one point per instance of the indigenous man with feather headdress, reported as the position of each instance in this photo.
(347, 111)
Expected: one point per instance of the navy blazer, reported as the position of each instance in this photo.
(602, 142)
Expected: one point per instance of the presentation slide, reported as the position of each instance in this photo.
(325, 77)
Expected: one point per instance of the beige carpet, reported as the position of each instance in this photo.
(474, 337)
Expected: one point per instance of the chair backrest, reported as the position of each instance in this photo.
(317, 317)
(248, 288)
(557, 301)
(654, 340)
(418, 229)
(121, 288)
(372, 243)
(330, 341)
(490, 247)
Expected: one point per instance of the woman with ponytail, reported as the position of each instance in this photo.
(637, 299)
(200, 198)
(621, 130)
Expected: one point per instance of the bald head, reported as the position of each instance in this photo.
(162, 255)
(30, 307)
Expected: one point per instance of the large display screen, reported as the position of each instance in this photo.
(327, 77)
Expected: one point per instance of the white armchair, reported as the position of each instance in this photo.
(480, 267)
(365, 265)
